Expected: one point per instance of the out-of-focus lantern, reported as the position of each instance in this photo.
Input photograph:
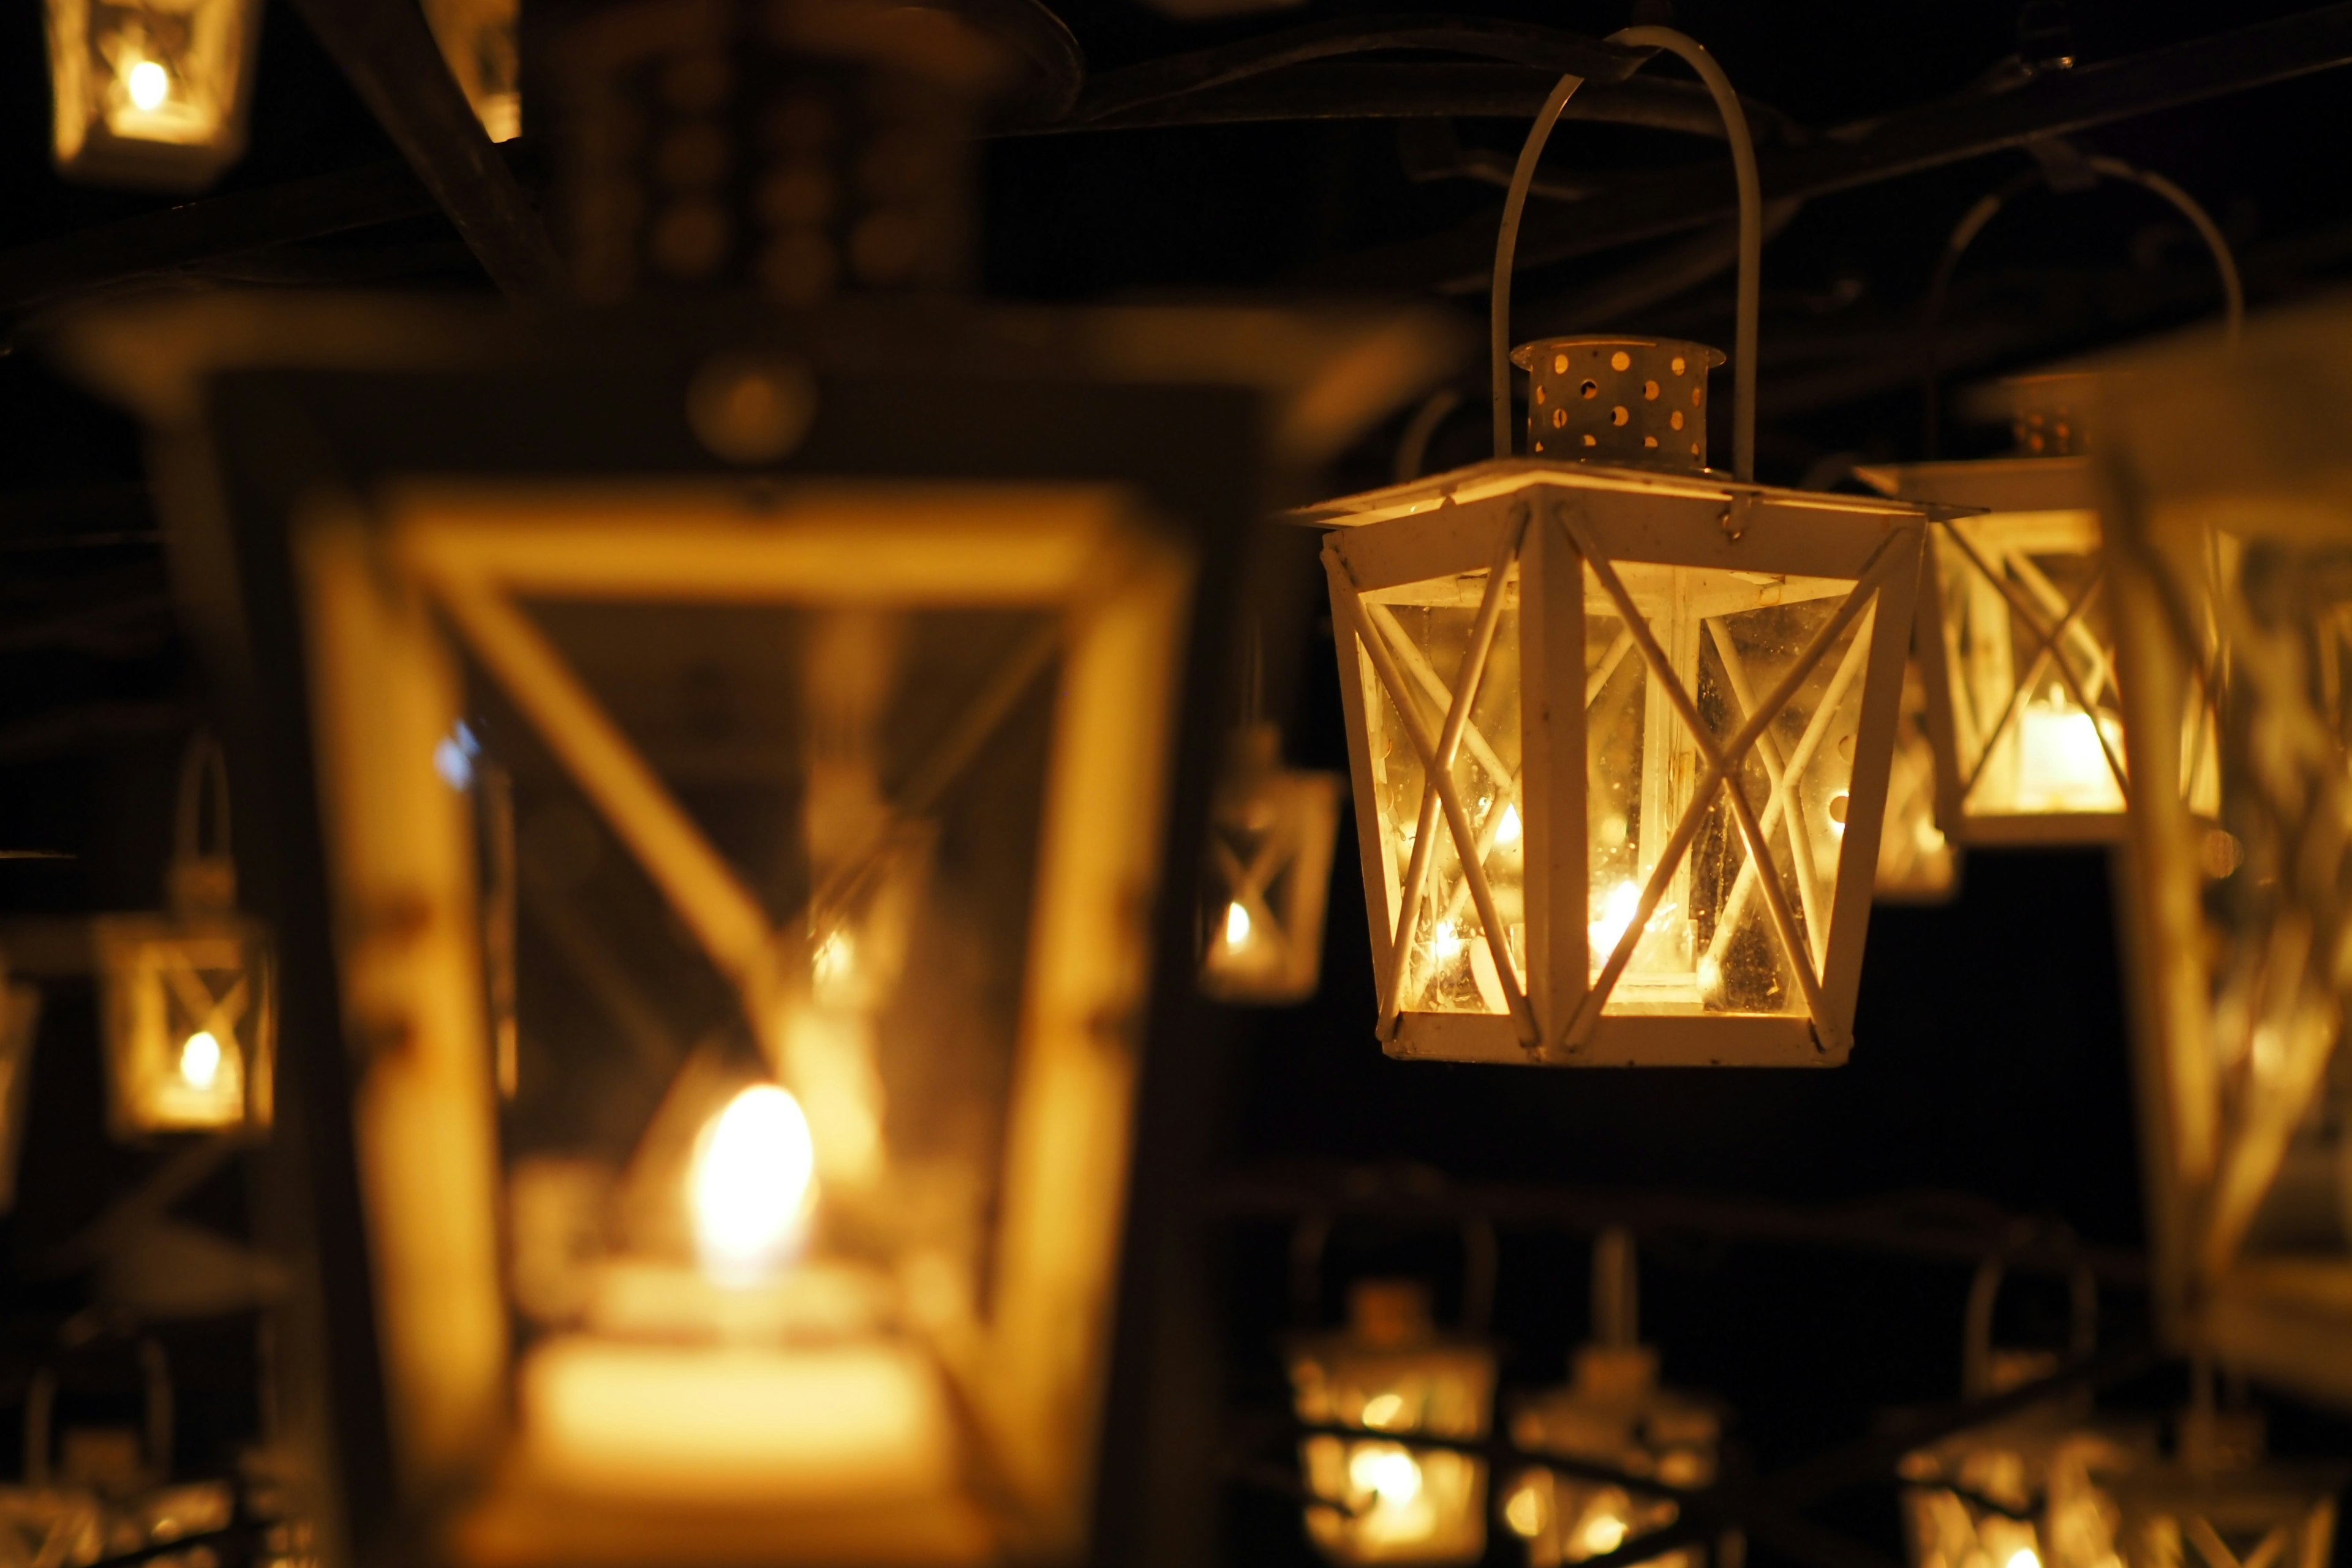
(2222, 1505)
(2230, 537)
(477, 40)
(2036, 1490)
(1612, 1414)
(151, 92)
(1590, 695)
(1271, 836)
(1392, 1375)
(20, 1014)
(832, 793)
(189, 998)
(1917, 863)
(2018, 644)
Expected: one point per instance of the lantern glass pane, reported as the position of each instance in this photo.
(1402, 1502)
(1917, 863)
(1430, 625)
(2023, 740)
(1709, 943)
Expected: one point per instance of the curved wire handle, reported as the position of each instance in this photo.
(1481, 1256)
(1975, 1343)
(1751, 237)
(1989, 206)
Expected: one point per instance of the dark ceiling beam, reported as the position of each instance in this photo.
(389, 55)
(195, 232)
(1384, 90)
(2053, 105)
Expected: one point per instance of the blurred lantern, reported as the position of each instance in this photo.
(2231, 543)
(2036, 1489)
(1586, 704)
(150, 93)
(2221, 1504)
(1271, 833)
(20, 1014)
(2018, 647)
(1918, 864)
(2018, 636)
(838, 797)
(189, 998)
(477, 41)
(1386, 1498)
(1612, 1416)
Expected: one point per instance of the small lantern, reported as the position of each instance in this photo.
(150, 93)
(2221, 1504)
(1393, 1376)
(2034, 1491)
(1271, 833)
(1918, 864)
(189, 996)
(2018, 647)
(2230, 532)
(1587, 705)
(1613, 1415)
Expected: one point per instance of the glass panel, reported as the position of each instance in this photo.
(2021, 734)
(681, 1170)
(1731, 637)
(1915, 862)
(1429, 625)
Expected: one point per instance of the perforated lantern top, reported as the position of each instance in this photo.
(1636, 403)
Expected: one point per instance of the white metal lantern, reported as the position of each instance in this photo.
(2230, 506)
(2019, 644)
(151, 92)
(1586, 704)
(1271, 832)
(2222, 1504)
(2033, 1490)
(1390, 1376)
(189, 994)
(1612, 1414)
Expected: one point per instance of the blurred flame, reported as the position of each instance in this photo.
(753, 1184)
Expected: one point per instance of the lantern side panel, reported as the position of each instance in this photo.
(1397, 1501)
(1431, 626)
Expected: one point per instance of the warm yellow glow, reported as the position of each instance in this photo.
(200, 1058)
(1508, 831)
(1237, 925)
(2024, 1557)
(754, 1180)
(148, 84)
(1603, 1532)
(1446, 942)
(835, 957)
(1387, 1473)
(1618, 909)
(1525, 1512)
(2062, 765)
(1382, 1410)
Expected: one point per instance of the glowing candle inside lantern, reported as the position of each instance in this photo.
(1618, 908)
(1387, 1472)
(1237, 925)
(752, 1185)
(200, 1059)
(148, 84)
(2062, 763)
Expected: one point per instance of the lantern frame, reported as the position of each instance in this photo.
(1273, 833)
(1171, 415)
(2230, 515)
(1563, 528)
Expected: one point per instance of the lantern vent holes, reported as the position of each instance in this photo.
(1623, 398)
(751, 409)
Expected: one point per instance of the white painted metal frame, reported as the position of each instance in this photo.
(1544, 526)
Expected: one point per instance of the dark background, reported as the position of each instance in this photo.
(1991, 1065)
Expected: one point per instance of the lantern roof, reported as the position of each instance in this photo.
(1503, 475)
(1991, 484)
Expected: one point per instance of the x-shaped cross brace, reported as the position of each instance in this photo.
(217, 1015)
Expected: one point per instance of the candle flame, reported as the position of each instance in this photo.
(1237, 924)
(148, 84)
(1388, 1473)
(753, 1184)
(200, 1058)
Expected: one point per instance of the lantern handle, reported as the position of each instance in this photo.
(1481, 1257)
(1976, 1347)
(1751, 237)
(203, 762)
(1988, 207)
(41, 1400)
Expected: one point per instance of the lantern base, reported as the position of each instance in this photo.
(1712, 1039)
